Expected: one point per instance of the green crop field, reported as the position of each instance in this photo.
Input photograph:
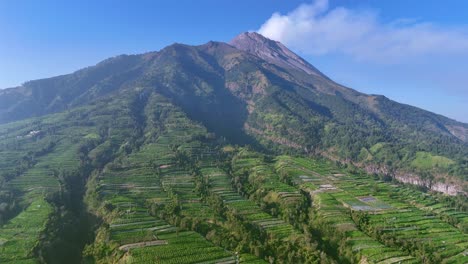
(127, 182)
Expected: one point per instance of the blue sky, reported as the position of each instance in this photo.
(414, 52)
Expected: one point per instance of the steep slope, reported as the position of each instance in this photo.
(256, 91)
(128, 169)
(272, 51)
(368, 129)
(166, 190)
(51, 95)
(276, 53)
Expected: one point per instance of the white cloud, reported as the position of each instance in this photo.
(316, 29)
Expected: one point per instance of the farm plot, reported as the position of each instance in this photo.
(19, 236)
(149, 240)
(332, 204)
(38, 155)
(399, 219)
(441, 240)
(270, 189)
(137, 226)
(181, 247)
(250, 259)
(43, 176)
(145, 238)
(428, 203)
(405, 224)
(159, 174)
(334, 217)
(220, 185)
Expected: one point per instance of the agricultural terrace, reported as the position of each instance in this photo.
(379, 211)
(39, 160)
(152, 193)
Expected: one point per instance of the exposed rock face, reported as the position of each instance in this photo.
(459, 131)
(273, 52)
(449, 188)
(446, 188)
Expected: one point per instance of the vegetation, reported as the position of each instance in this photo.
(137, 163)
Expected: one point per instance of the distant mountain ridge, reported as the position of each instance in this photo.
(254, 90)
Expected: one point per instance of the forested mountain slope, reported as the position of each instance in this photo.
(131, 178)
(256, 91)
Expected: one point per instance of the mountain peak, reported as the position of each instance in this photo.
(272, 51)
(251, 37)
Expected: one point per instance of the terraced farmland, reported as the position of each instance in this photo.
(245, 209)
(158, 187)
(37, 175)
(42, 161)
(375, 214)
(19, 236)
(152, 193)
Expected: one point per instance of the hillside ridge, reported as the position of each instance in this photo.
(256, 91)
